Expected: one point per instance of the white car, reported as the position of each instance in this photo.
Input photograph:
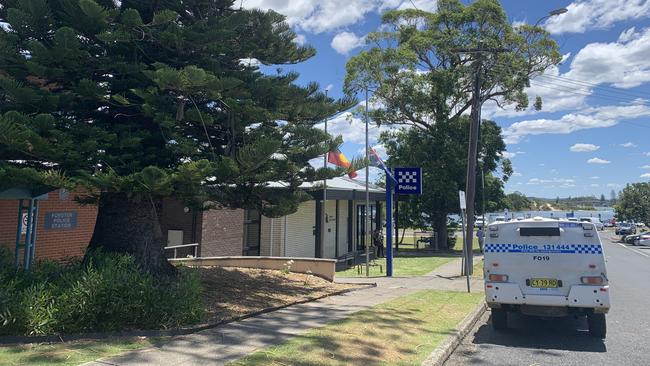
(594, 220)
(644, 239)
(547, 268)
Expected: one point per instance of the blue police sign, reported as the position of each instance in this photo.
(409, 180)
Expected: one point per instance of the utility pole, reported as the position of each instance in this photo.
(367, 210)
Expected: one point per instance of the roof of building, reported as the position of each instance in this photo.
(339, 188)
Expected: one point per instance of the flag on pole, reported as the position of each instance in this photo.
(376, 161)
(337, 158)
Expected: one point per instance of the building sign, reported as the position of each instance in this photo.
(61, 220)
(23, 227)
(409, 180)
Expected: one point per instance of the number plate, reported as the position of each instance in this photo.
(543, 283)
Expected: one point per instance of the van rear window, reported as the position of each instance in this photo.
(539, 231)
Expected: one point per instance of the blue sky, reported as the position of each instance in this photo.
(593, 134)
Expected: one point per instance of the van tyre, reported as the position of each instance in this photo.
(499, 319)
(597, 325)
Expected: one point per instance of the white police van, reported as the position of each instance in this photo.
(546, 268)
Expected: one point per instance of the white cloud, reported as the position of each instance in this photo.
(300, 39)
(579, 147)
(614, 185)
(345, 42)
(647, 154)
(628, 145)
(598, 161)
(594, 178)
(646, 175)
(645, 167)
(250, 62)
(624, 64)
(595, 185)
(583, 15)
(508, 154)
(317, 16)
(598, 117)
(516, 174)
(535, 181)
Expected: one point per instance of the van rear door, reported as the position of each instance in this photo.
(546, 257)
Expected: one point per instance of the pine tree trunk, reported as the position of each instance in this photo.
(129, 223)
(441, 230)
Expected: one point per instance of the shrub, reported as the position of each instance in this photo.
(108, 292)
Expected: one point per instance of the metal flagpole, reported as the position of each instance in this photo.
(367, 210)
(323, 216)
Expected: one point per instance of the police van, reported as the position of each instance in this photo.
(547, 268)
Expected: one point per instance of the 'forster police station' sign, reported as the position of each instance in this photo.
(61, 220)
(409, 180)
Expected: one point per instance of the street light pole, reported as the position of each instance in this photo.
(367, 210)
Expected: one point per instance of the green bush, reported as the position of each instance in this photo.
(108, 292)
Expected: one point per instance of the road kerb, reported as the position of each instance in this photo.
(448, 346)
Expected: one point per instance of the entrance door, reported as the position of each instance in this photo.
(252, 220)
(361, 225)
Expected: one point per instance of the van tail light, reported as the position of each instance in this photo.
(591, 280)
(498, 278)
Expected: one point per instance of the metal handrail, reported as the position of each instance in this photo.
(176, 247)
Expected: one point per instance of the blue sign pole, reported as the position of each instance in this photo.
(389, 227)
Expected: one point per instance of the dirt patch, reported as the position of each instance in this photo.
(233, 292)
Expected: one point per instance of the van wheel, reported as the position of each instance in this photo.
(499, 319)
(597, 325)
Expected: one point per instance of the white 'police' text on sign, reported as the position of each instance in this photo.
(409, 180)
(61, 220)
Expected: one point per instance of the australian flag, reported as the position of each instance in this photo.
(376, 161)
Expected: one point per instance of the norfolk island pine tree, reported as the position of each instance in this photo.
(140, 100)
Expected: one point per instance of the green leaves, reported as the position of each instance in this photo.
(633, 203)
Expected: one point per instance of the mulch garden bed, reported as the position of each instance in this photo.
(233, 292)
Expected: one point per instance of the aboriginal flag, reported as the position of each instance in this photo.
(337, 158)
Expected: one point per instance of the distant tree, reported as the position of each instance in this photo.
(612, 195)
(602, 198)
(633, 203)
(557, 199)
(517, 201)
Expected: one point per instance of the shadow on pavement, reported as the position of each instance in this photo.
(544, 334)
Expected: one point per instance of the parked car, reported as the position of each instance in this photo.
(479, 222)
(643, 239)
(632, 239)
(594, 220)
(640, 225)
(625, 228)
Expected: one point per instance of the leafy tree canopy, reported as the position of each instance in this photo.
(633, 203)
(420, 74)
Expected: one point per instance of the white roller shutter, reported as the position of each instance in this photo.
(300, 239)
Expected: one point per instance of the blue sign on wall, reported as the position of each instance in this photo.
(61, 220)
(409, 180)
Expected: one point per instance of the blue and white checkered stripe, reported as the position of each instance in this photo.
(563, 249)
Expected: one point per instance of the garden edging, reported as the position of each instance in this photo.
(440, 355)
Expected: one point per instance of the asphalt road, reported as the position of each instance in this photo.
(532, 341)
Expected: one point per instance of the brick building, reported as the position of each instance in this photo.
(64, 227)
(225, 232)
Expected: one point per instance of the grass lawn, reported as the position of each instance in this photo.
(402, 266)
(403, 331)
(478, 269)
(70, 353)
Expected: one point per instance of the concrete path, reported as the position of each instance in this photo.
(232, 341)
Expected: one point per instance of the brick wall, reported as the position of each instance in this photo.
(222, 233)
(52, 244)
